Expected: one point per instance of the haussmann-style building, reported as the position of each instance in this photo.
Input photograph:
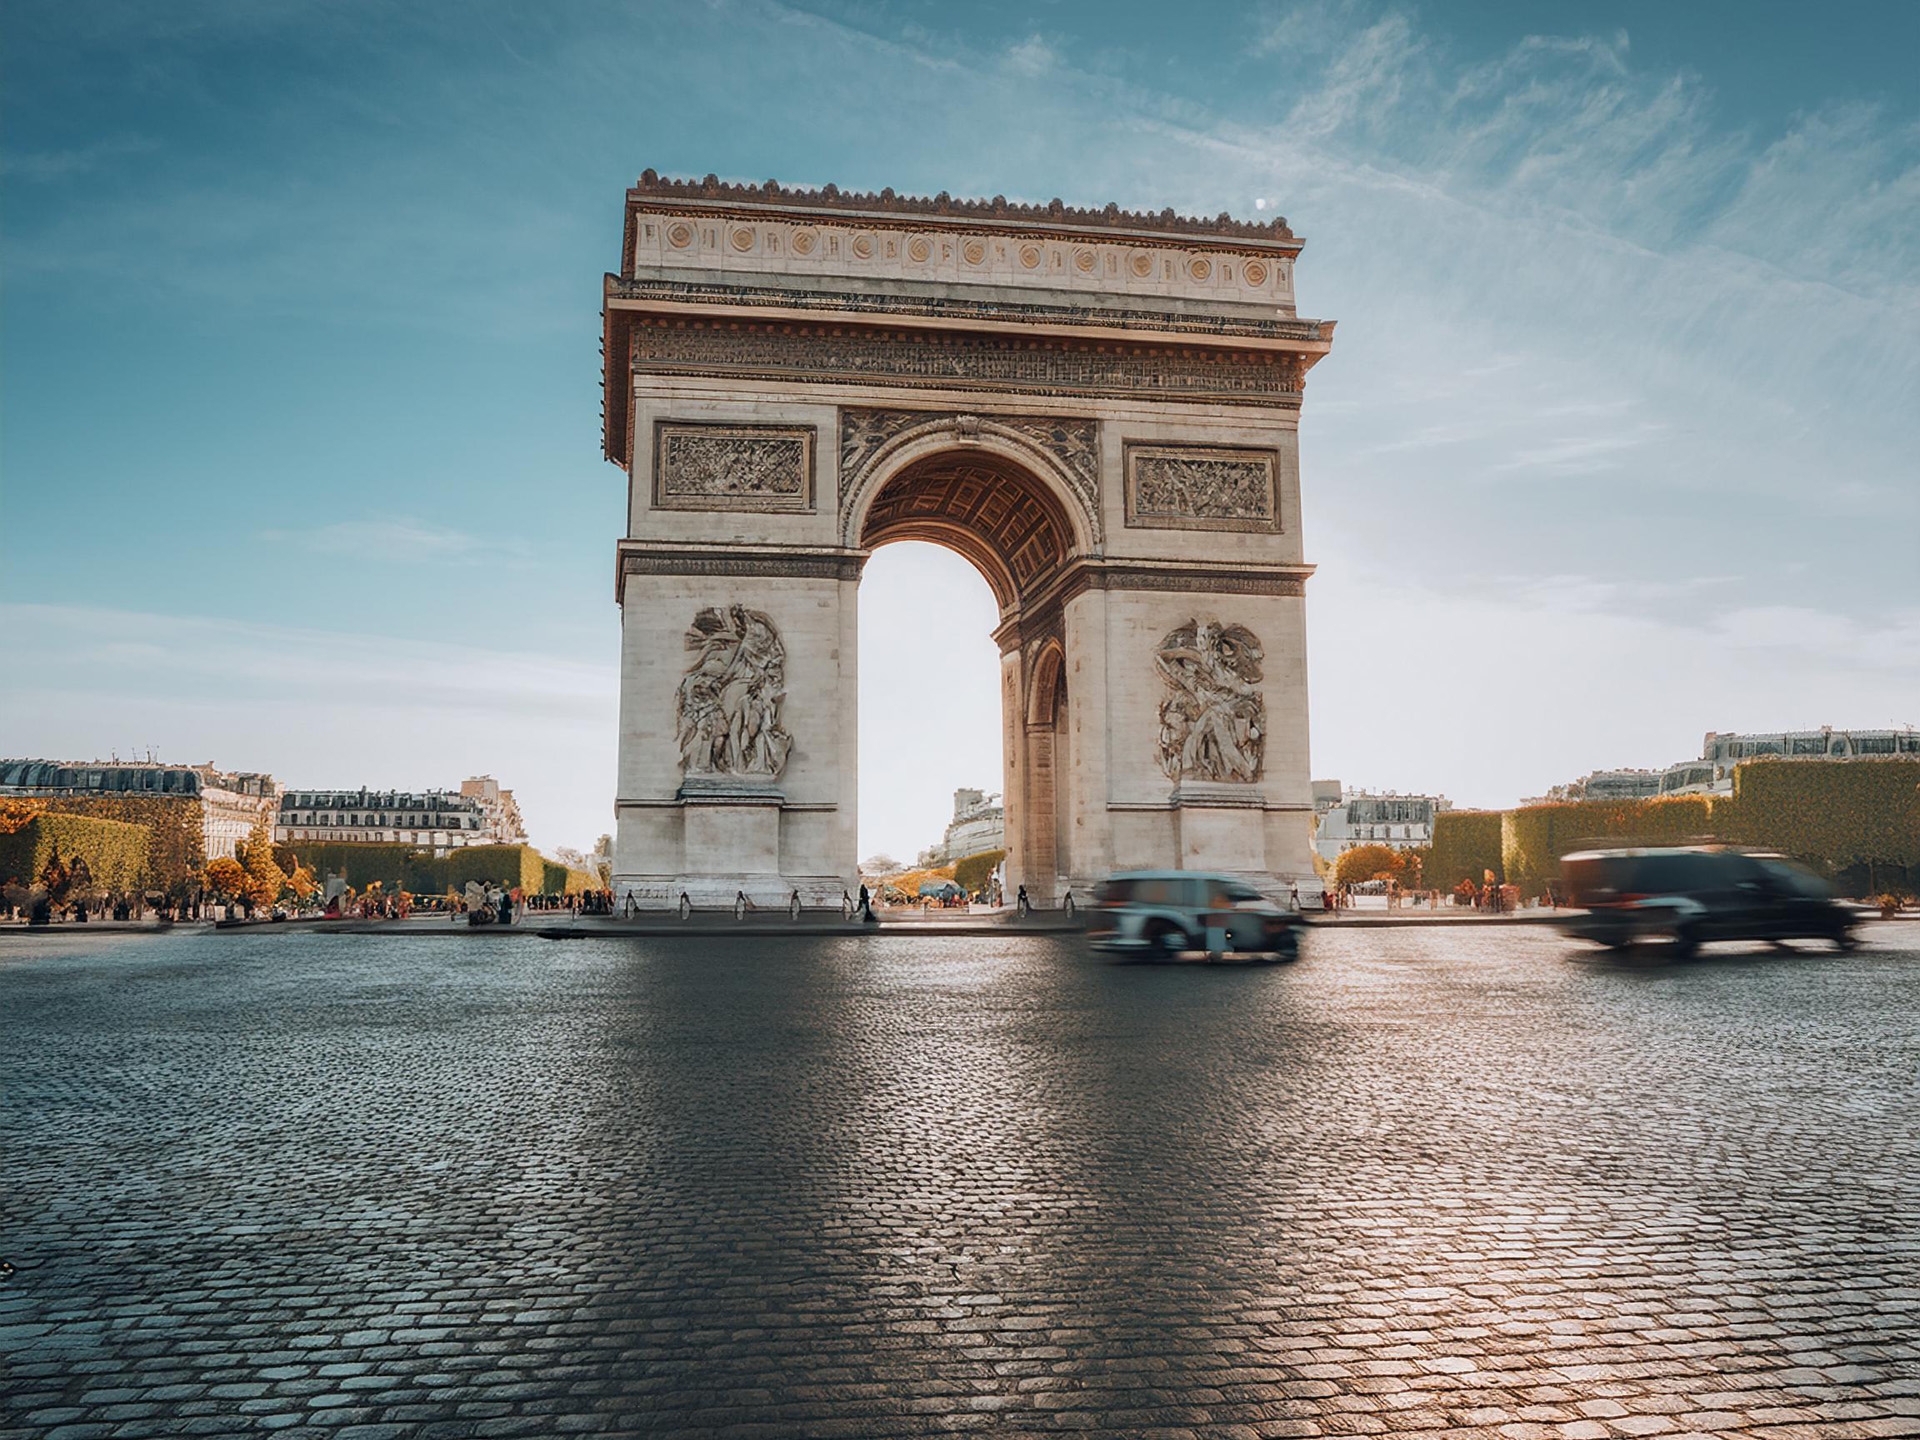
(230, 803)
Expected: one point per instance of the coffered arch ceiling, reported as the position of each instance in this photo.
(1003, 519)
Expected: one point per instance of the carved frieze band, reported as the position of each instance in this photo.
(935, 360)
(803, 565)
(1202, 487)
(732, 467)
(882, 304)
(1075, 444)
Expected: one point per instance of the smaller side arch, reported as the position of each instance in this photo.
(1047, 675)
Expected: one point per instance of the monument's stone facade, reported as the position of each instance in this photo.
(1099, 409)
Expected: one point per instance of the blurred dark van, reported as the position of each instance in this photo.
(1688, 896)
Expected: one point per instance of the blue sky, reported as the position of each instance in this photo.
(300, 470)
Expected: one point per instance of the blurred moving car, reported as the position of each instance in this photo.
(1166, 913)
(1690, 895)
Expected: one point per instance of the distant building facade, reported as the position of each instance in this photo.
(979, 824)
(440, 820)
(1346, 818)
(231, 802)
(503, 825)
(1721, 755)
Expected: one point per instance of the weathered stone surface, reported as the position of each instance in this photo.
(1427, 1181)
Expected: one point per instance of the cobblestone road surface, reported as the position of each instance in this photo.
(1433, 1182)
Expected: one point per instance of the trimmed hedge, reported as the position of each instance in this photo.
(115, 853)
(973, 871)
(1466, 844)
(1534, 837)
(1833, 814)
(416, 870)
(175, 826)
(506, 865)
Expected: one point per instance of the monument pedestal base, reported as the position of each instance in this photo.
(730, 846)
(1220, 826)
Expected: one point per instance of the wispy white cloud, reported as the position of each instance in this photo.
(402, 540)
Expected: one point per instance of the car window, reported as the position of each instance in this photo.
(1239, 893)
(1685, 874)
(1795, 881)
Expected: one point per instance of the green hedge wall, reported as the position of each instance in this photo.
(1534, 837)
(405, 867)
(115, 852)
(506, 865)
(1466, 844)
(972, 872)
(175, 826)
(1831, 814)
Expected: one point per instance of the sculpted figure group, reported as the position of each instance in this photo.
(1213, 723)
(727, 712)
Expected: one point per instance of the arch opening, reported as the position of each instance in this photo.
(1002, 518)
(1012, 527)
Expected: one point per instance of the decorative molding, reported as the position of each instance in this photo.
(1120, 575)
(943, 361)
(727, 706)
(1202, 487)
(855, 301)
(770, 564)
(865, 432)
(1213, 721)
(714, 191)
(698, 466)
(1073, 443)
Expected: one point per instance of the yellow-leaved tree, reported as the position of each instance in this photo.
(226, 878)
(255, 855)
(1366, 862)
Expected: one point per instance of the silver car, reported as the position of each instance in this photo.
(1165, 914)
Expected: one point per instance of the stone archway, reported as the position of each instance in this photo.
(1098, 410)
(1001, 510)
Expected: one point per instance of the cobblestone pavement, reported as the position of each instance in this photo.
(1425, 1182)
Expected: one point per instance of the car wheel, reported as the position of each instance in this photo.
(1169, 942)
(1845, 939)
(1685, 943)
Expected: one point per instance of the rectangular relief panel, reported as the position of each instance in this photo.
(1203, 487)
(699, 466)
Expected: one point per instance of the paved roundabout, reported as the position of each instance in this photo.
(1435, 1181)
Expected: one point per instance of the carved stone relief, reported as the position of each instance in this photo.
(732, 467)
(1213, 721)
(1202, 487)
(727, 711)
(1074, 444)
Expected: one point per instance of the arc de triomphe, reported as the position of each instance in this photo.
(1099, 409)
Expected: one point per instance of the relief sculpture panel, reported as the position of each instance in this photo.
(1213, 721)
(1202, 487)
(727, 711)
(732, 467)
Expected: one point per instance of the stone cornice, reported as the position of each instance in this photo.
(625, 292)
(1039, 614)
(714, 195)
(634, 557)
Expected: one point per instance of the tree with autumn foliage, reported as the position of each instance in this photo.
(226, 878)
(1368, 862)
(255, 856)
